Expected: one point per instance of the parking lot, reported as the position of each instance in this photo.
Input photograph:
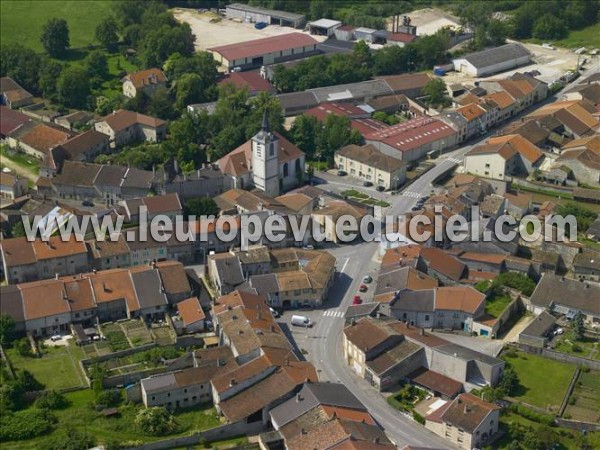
(212, 30)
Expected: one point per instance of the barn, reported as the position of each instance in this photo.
(324, 27)
(255, 14)
(269, 50)
(493, 60)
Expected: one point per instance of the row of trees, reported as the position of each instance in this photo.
(362, 64)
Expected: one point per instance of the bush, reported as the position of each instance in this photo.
(156, 421)
(23, 347)
(572, 400)
(418, 418)
(576, 348)
(72, 440)
(109, 398)
(51, 400)
(26, 424)
(523, 411)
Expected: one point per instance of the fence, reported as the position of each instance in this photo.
(565, 401)
(562, 357)
(223, 432)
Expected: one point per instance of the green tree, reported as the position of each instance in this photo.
(7, 328)
(578, 328)
(71, 439)
(51, 400)
(96, 66)
(189, 89)
(431, 50)
(50, 70)
(201, 206)
(73, 87)
(28, 382)
(55, 37)
(335, 133)
(509, 381)
(435, 90)
(583, 215)
(362, 54)
(129, 12)
(549, 26)
(11, 397)
(21, 64)
(156, 421)
(523, 19)
(497, 31)
(107, 33)
(161, 105)
(304, 134)
(160, 43)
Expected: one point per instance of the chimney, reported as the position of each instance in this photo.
(232, 382)
(298, 397)
(56, 276)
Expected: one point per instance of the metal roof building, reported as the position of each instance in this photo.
(257, 14)
(493, 60)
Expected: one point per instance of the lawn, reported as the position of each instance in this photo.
(22, 21)
(29, 163)
(495, 305)
(79, 415)
(58, 368)
(586, 348)
(588, 37)
(584, 403)
(543, 382)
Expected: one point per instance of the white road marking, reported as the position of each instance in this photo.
(333, 313)
(345, 264)
(411, 194)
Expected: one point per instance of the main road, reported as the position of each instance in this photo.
(322, 344)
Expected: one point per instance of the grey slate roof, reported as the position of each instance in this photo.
(265, 284)
(355, 91)
(540, 325)
(148, 288)
(422, 301)
(468, 354)
(159, 383)
(11, 302)
(576, 295)
(297, 101)
(587, 259)
(229, 270)
(488, 57)
(365, 309)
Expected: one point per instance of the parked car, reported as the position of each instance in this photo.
(558, 331)
(341, 173)
(357, 300)
(367, 279)
(308, 247)
(363, 288)
(380, 188)
(301, 321)
(367, 184)
(274, 312)
(261, 25)
(87, 203)
(415, 208)
(55, 337)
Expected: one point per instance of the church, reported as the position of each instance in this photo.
(267, 162)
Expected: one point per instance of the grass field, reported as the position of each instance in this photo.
(495, 306)
(586, 398)
(58, 368)
(22, 21)
(543, 382)
(588, 37)
(80, 416)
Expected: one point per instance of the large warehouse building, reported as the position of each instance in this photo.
(255, 14)
(270, 50)
(493, 60)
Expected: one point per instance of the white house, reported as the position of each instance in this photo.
(493, 60)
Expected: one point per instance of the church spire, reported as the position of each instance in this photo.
(265, 121)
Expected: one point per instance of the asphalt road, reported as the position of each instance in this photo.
(322, 344)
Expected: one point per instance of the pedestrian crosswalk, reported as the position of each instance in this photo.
(411, 194)
(455, 160)
(334, 313)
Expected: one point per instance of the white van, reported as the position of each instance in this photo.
(301, 321)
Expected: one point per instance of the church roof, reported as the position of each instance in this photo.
(238, 162)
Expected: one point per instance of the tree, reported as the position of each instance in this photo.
(497, 31)
(7, 328)
(549, 27)
(189, 89)
(73, 87)
(160, 43)
(50, 70)
(336, 133)
(201, 206)
(431, 50)
(362, 54)
(28, 382)
(71, 439)
(107, 33)
(161, 105)
(435, 89)
(55, 37)
(578, 328)
(51, 400)
(523, 19)
(304, 134)
(21, 64)
(156, 421)
(96, 66)
(509, 381)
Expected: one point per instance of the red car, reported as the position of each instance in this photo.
(357, 300)
(363, 288)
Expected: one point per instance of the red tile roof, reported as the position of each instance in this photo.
(259, 47)
(10, 120)
(252, 80)
(146, 77)
(401, 37)
(340, 109)
(190, 311)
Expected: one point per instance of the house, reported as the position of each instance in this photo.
(37, 139)
(167, 205)
(590, 92)
(414, 138)
(181, 389)
(518, 204)
(328, 216)
(125, 127)
(492, 60)
(586, 265)
(536, 334)
(25, 261)
(441, 265)
(379, 354)
(225, 272)
(146, 81)
(593, 231)
(10, 120)
(83, 147)
(12, 186)
(265, 51)
(524, 89)
(502, 157)
(573, 119)
(567, 297)
(467, 421)
(207, 181)
(74, 120)
(13, 95)
(268, 162)
(109, 254)
(370, 165)
(582, 156)
(252, 81)
(191, 314)
(477, 118)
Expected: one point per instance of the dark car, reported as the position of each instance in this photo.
(87, 203)
(367, 184)
(380, 188)
(261, 25)
(415, 208)
(357, 300)
(342, 173)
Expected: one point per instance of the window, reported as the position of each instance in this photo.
(153, 398)
(427, 317)
(286, 170)
(271, 149)
(487, 165)
(486, 173)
